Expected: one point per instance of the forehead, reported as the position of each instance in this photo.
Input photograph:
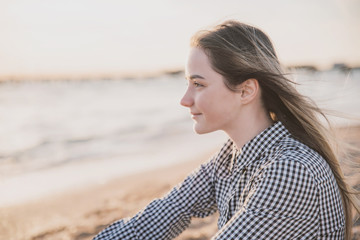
(197, 62)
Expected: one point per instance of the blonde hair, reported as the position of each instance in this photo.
(238, 52)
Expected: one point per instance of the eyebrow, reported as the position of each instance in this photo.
(195, 76)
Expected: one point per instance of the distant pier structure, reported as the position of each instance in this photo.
(341, 67)
(308, 68)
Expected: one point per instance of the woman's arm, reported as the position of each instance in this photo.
(167, 217)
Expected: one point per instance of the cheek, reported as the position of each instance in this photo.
(205, 101)
(215, 103)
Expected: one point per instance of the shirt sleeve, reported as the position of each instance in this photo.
(167, 217)
(281, 204)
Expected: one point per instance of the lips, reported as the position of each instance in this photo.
(195, 115)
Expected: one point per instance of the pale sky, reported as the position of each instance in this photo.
(75, 37)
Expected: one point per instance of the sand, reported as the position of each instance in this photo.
(80, 214)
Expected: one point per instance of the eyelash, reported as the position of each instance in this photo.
(196, 84)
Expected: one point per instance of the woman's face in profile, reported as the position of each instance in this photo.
(212, 105)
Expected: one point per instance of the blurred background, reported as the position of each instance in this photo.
(90, 90)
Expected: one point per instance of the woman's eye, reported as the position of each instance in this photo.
(196, 84)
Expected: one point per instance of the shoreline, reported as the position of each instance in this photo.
(30, 186)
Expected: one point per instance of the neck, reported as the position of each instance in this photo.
(249, 127)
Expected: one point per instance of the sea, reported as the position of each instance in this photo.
(63, 134)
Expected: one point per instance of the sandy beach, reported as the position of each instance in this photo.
(80, 214)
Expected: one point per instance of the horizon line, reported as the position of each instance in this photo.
(147, 74)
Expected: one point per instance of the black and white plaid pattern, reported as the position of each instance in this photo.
(274, 188)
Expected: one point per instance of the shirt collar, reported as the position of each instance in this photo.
(263, 142)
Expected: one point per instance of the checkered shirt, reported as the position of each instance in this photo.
(274, 188)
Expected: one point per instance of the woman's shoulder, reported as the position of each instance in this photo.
(293, 151)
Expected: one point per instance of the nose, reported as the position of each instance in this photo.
(187, 100)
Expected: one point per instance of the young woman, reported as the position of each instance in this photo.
(276, 177)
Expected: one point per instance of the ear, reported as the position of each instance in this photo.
(249, 90)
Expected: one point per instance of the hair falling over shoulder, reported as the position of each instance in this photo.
(238, 52)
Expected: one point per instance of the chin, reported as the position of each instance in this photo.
(200, 130)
